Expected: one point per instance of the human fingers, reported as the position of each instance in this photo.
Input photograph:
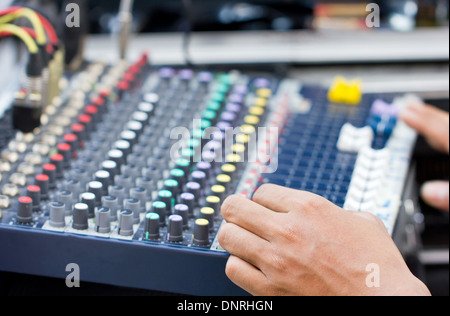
(436, 194)
(430, 122)
(246, 276)
(250, 216)
(243, 244)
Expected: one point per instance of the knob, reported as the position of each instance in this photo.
(104, 177)
(214, 203)
(126, 219)
(189, 200)
(50, 171)
(151, 228)
(42, 181)
(201, 232)
(57, 214)
(166, 197)
(183, 211)
(66, 197)
(102, 220)
(112, 203)
(88, 198)
(34, 192)
(25, 210)
(208, 214)
(160, 208)
(195, 189)
(134, 206)
(96, 187)
(80, 216)
(175, 229)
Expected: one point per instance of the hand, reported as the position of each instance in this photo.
(288, 242)
(434, 125)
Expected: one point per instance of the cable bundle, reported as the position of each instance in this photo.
(44, 68)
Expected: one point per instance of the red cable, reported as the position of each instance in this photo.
(46, 24)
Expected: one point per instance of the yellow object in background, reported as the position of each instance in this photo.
(345, 91)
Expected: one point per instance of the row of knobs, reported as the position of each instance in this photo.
(176, 224)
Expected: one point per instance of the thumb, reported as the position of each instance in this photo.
(436, 194)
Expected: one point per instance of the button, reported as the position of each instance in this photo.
(151, 227)
(175, 229)
(102, 220)
(25, 210)
(345, 91)
(57, 215)
(80, 216)
(201, 233)
(126, 220)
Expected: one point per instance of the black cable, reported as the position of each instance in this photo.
(187, 32)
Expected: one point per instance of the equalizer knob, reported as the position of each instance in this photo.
(57, 214)
(151, 228)
(80, 216)
(201, 232)
(126, 220)
(175, 229)
(25, 210)
(103, 220)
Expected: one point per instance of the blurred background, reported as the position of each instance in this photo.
(277, 15)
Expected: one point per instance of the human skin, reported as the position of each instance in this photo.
(295, 243)
(433, 124)
(289, 242)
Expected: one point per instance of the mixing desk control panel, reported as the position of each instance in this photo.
(127, 172)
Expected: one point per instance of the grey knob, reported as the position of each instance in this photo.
(103, 220)
(57, 214)
(126, 220)
(112, 203)
(134, 206)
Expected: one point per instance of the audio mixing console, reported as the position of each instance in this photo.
(98, 185)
